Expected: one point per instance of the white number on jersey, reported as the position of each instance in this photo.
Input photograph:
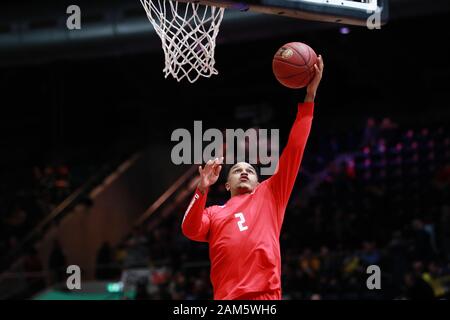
(241, 221)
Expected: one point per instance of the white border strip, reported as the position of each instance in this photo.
(371, 6)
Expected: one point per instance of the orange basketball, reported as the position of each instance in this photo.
(293, 65)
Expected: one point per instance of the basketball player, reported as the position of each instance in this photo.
(243, 234)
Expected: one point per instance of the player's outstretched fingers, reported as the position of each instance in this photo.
(210, 164)
(217, 170)
(216, 163)
(321, 65)
(209, 167)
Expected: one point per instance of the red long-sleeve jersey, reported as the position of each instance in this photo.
(243, 234)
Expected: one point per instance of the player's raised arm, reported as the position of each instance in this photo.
(195, 223)
(283, 180)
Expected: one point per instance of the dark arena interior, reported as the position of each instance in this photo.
(87, 178)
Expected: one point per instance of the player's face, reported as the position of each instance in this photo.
(242, 178)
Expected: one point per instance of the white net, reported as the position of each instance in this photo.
(188, 34)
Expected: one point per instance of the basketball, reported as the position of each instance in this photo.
(293, 65)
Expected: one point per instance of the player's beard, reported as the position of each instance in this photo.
(244, 187)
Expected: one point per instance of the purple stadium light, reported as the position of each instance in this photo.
(240, 6)
(344, 30)
(410, 133)
(351, 164)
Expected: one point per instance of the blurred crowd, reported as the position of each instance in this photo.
(386, 204)
(24, 206)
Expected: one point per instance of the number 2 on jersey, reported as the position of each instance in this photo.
(241, 221)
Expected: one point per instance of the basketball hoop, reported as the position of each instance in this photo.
(188, 34)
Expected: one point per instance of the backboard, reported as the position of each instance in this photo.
(352, 12)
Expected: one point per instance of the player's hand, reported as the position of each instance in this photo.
(209, 173)
(314, 84)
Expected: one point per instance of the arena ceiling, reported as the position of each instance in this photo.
(32, 31)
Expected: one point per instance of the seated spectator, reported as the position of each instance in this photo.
(34, 271)
(369, 255)
(104, 269)
(417, 288)
(370, 134)
(137, 250)
(57, 263)
(437, 280)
